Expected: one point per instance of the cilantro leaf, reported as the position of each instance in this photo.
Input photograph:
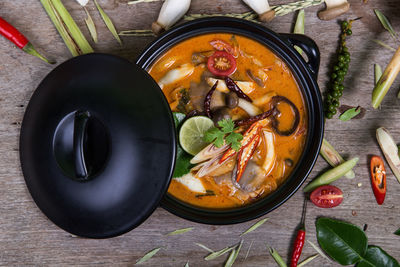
(227, 125)
(214, 135)
(234, 140)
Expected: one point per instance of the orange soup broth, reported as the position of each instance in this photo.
(280, 81)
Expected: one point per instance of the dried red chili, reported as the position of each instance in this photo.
(207, 100)
(378, 179)
(232, 86)
(255, 118)
(12, 34)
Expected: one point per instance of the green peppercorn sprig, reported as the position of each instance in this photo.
(339, 71)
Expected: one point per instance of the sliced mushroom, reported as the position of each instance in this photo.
(231, 100)
(334, 8)
(262, 8)
(220, 114)
(246, 87)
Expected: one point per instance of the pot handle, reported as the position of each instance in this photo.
(80, 125)
(309, 47)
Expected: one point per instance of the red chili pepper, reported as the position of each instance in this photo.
(378, 179)
(300, 239)
(12, 34)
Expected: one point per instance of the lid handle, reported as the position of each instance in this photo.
(80, 126)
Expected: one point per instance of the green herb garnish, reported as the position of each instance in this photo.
(226, 131)
(182, 163)
(208, 193)
(347, 244)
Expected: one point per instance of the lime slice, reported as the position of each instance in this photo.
(192, 133)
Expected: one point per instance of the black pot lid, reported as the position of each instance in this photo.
(97, 146)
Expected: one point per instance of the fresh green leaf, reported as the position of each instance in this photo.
(377, 72)
(350, 113)
(214, 135)
(232, 257)
(204, 247)
(254, 226)
(180, 231)
(383, 44)
(306, 261)
(234, 140)
(148, 256)
(108, 22)
(182, 163)
(385, 23)
(91, 26)
(227, 125)
(397, 232)
(377, 257)
(343, 242)
(277, 257)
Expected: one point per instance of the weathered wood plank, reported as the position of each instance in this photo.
(27, 237)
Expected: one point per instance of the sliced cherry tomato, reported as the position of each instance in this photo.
(222, 46)
(378, 179)
(327, 196)
(221, 63)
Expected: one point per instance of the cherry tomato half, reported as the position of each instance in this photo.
(378, 179)
(327, 196)
(221, 63)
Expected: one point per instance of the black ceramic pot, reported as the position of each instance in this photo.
(305, 74)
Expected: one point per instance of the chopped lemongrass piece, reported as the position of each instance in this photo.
(91, 26)
(386, 80)
(187, 264)
(317, 249)
(331, 175)
(72, 28)
(82, 2)
(331, 156)
(254, 226)
(377, 72)
(359, 184)
(57, 21)
(108, 22)
(142, 1)
(385, 23)
(304, 262)
(180, 231)
(383, 44)
(248, 250)
(234, 253)
(216, 254)
(299, 27)
(277, 257)
(171, 11)
(205, 248)
(262, 8)
(334, 8)
(390, 150)
(148, 255)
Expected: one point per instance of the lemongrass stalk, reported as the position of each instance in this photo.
(386, 80)
(72, 28)
(91, 26)
(299, 27)
(377, 72)
(277, 257)
(56, 19)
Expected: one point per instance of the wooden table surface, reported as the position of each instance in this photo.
(27, 237)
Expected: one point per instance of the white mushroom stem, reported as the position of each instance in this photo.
(176, 74)
(246, 87)
(193, 183)
(262, 8)
(334, 8)
(171, 11)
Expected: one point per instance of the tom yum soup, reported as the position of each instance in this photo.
(241, 119)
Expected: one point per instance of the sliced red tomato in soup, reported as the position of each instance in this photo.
(221, 63)
(327, 196)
